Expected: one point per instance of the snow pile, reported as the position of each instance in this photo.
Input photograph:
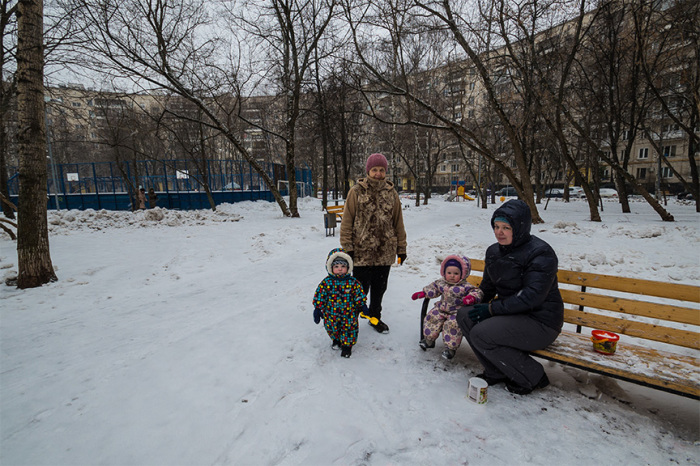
(187, 338)
(64, 221)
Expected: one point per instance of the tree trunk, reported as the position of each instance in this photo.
(6, 92)
(33, 257)
(4, 188)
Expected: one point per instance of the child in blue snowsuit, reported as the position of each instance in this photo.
(338, 301)
(455, 291)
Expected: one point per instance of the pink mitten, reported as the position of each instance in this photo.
(418, 295)
(468, 300)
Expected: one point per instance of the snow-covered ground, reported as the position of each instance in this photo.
(187, 338)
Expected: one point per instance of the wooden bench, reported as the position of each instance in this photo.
(337, 210)
(657, 322)
(333, 215)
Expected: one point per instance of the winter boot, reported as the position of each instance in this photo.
(380, 326)
(520, 390)
(448, 354)
(335, 345)
(425, 344)
(345, 351)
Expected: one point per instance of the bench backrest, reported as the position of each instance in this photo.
(652, 310)
(334, 209)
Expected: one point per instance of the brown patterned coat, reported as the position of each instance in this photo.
(372, 226)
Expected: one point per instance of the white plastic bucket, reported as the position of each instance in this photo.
(478, 390)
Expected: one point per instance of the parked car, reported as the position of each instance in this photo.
(554, 192)
(607, 192)
(507, 191)
(685, 196)
(576, 191)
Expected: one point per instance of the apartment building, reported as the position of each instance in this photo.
(655, 153)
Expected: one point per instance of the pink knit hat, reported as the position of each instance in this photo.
(376, 160)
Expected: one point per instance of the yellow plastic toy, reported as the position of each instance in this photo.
(372, 320)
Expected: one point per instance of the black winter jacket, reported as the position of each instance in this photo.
(523, 274)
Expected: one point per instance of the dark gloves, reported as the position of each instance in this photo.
(351, 254)
(418, 295)
(362, 310)
(402, 258)
(317, 315)
(479, 312)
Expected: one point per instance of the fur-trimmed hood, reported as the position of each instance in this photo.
(338, 253)
(464, 262)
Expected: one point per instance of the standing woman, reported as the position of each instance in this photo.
(522, 309)
(372, 233)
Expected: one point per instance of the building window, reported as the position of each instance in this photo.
(455, 168)
(666, 172)
(641, 173)
(443, 168)
(625, 135)
(471, 113)
(472, 85)
(669, 151)
(75, 104)
(643, 153)
(606, 174)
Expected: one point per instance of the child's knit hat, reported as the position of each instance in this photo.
(463, 262)
(339, 261)
(453, 263)
(376, 160)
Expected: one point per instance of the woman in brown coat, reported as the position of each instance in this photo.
(373, 234)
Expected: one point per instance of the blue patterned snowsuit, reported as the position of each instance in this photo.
(340, 298)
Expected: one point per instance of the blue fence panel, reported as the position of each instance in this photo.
(177, 183)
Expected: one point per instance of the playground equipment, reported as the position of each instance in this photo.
(457, 191)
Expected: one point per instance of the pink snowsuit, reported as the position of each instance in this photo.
(442, 317)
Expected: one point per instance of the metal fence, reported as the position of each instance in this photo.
(179, 184)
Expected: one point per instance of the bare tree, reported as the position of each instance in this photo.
(294, 36)
(506, 74)
(33, 255)
(672, 71)
(172, 47)
(610, 76)
(8, 87)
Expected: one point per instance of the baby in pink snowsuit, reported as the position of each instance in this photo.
(456, 292)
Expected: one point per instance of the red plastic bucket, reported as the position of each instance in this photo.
(604, 342)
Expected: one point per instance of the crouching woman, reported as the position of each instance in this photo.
(522, 309)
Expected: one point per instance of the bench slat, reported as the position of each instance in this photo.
(678, 291)
(643, 330)
(629, 306)
(338, 210)
(638, 286)
(668, 371)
